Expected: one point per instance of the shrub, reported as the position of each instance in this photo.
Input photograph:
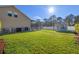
(77, 27)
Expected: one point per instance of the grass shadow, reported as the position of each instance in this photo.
(18, 32)
(13, 33)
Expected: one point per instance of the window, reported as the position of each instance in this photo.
(18, 29)
(9, 13)
(15, 15)
(26, 28)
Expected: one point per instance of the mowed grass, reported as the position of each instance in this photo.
(40, 42)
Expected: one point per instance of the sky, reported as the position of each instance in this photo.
(42, 11)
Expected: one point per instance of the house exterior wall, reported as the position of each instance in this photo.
(11, 22)
(71, 28)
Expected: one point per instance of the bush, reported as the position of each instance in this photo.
(77, 27)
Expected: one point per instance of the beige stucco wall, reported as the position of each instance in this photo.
(12, 22)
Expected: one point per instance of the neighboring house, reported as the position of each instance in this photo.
(13, 20)
(71, 28)
(61, 26)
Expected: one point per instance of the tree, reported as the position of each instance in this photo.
(59, 19)
(70, 20)
(77, 19)
(53, 19)
(36, 24)
(39, 23)
(45, 22)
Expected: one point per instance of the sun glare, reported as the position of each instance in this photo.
(51, 10)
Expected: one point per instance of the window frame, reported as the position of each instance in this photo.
(10, 13)
(15, 15)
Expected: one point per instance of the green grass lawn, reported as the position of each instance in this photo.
(40, 42)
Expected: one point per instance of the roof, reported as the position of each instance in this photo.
(3, 6)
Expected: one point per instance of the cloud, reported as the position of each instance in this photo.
(37, 17)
